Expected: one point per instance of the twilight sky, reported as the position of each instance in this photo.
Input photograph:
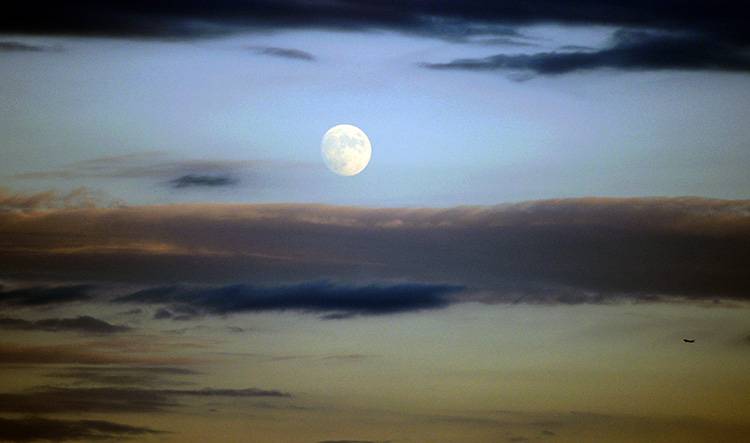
(557, 196)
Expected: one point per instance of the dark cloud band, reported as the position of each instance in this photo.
(191, 17)
(45, 295)
(333, 301)
(45, 429)
(203, 181)
(717, 36)
(569, 251)
(106, 399)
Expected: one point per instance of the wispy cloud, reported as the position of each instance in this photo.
(75, 199)
(47, 400)
(86, 354)
(15, 46)
(124, 375)
(83, 323)
(165, 169)
(294, 54)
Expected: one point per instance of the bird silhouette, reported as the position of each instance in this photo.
(688, 340)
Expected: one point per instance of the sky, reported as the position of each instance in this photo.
(557, 198)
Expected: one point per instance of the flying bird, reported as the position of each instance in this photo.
(687, 340)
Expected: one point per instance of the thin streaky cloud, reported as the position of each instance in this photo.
(289, 53)
(86, 354)
(15, 46)
(82, 324)
(49, 399)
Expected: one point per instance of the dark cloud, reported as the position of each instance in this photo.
(694, 35)
(82, 323)
(591, 250)
(35, 428)
(45, 295)
(192, 18)
(123, 376)
(295, 54)
(46, 400)
(13, 46)
(630, 51)
(203, 181)
(331, 300)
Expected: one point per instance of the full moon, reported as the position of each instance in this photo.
(346, 149)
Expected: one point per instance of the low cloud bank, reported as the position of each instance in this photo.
(550, 251)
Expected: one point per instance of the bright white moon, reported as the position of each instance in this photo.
(346, 149)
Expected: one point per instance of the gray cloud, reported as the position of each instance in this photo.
(203, 181)
(14, 46)
(153, 165)
(506, 41)
(46, 400)
(86, 354)
(83, 323)
(123, 375)
(289, 53)
(163, 168)
(591, 250)
(635, 51)
(36, 428)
